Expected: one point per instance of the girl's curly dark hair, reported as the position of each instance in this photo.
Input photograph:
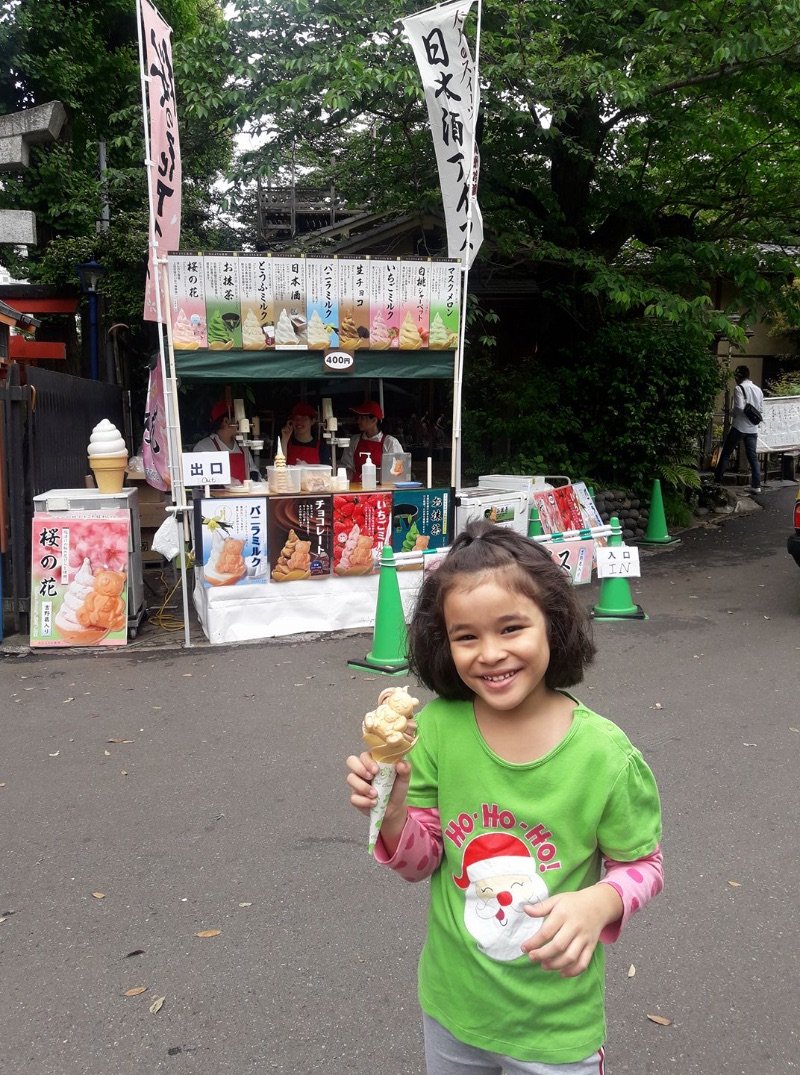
(483, 547)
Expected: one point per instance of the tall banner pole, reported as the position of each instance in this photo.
(451, 86)
(173, 422)
(458, 373)
(159, 193)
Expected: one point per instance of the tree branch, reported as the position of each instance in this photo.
(725, 70)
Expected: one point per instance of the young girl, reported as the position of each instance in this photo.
(514, 797)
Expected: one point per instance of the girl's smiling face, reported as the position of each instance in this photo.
(498, 641)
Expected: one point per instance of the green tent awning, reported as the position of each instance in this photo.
(290, 365)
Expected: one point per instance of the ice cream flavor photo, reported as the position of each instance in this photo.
(183, 336)
(379, 338)
(285, 336)
(440, 337)
(410, 338)
(319, 334)
(220, 336)
(253, 338)
(93, 606)
(349, 336)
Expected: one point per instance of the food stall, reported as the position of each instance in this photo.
(299, 552)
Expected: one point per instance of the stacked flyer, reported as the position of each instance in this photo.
(227, 302)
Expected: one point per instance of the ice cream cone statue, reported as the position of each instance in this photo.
(108, 457)
(388, 732)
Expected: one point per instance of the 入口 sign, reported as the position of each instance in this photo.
(618, 562)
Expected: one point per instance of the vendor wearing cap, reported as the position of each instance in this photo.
(368, 441)
(223, 439)
(297, 441)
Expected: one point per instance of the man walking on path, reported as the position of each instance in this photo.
(742, 428)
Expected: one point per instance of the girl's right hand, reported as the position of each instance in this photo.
(362, 794)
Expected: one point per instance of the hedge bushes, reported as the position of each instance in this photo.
(630, 408)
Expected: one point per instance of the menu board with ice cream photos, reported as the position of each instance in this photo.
(445, 298)
(361, 528)
(299, 537)
(79, 578)
(187, 302)
(255, 297)
(384, 305)
(231, 540)
(421, 520)
(414, 304)
(223, 310)
(353, 303)
(322, 295)
(289, 290)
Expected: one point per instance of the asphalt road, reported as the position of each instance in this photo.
(146, 797)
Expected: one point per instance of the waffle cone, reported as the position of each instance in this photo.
(109, 472)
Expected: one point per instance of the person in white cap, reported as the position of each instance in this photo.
(369, 441)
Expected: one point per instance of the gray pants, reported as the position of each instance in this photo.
(446, 1055)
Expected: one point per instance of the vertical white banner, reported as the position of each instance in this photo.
(164, 164)
(448, 79)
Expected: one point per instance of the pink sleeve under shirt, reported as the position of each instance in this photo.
(420, 848)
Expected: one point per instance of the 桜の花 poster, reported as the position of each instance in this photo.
(79, 578)
(187, 302)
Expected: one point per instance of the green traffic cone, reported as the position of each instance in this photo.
(534, 525)
(656, 533)
(615, 602)
(388, 653)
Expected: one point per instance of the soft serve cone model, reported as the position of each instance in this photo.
(108, 457)
(388, 732)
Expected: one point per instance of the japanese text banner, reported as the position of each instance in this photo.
(446, 66)
(155, 459)
(164, 150)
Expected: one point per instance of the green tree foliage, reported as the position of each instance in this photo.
(636, 157)
(85, 55)
(631, 152)
(627, 413)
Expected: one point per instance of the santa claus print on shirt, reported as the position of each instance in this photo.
(499, 876)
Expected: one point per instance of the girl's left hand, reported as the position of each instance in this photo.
(574, 922)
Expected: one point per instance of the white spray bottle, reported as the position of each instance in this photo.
(368, 472)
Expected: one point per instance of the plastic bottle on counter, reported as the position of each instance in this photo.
(368, 472)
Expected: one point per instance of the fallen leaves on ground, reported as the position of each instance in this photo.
(99, 895)
(660, 1019)
(157, 1005)
(135, 991)
(631, 971)
(208, 933)
(735, 884)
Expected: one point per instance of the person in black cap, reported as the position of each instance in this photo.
(368, 441)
